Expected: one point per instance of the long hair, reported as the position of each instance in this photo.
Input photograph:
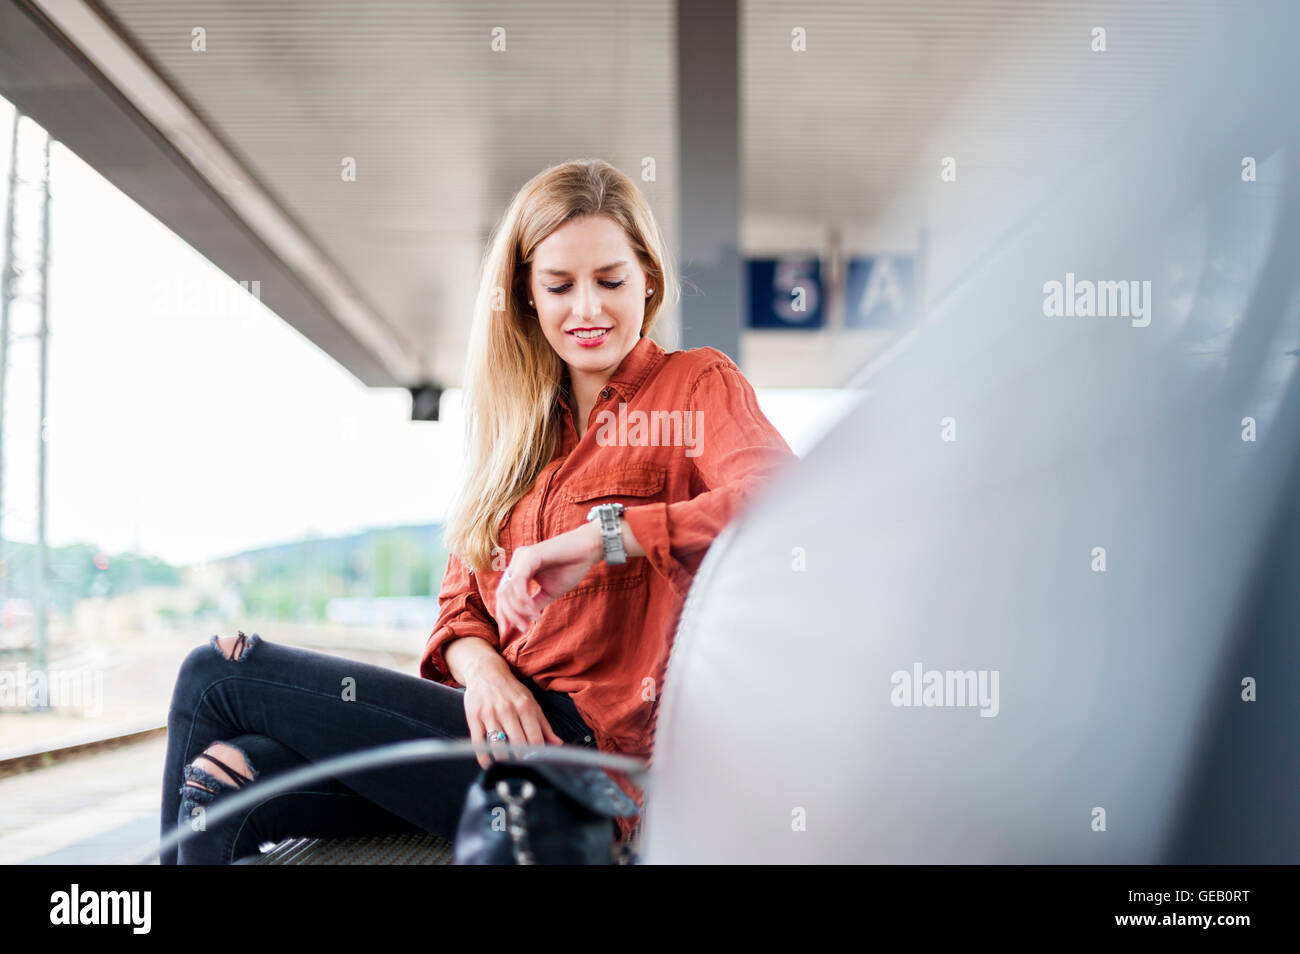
(512, 374)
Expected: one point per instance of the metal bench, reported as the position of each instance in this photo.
(404, 849)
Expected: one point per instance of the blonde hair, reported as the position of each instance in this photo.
(512, 374)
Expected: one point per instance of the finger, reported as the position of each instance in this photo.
(532, 593)
(506, 604)
(523, 605)
(519, 588)
(534, 600)
(492, 755)
(505, 622)
(549, 733)
(527, 617)
(531, 719)
(519, 613)
(507, 619)
(516, 618)
(514, 731)
(520, 601)
(477, 734)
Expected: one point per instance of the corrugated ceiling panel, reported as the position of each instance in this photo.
(443, 129)
(848, 134)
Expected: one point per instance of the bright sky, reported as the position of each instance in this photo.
(189, 423)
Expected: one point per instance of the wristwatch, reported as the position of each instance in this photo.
(611, 531)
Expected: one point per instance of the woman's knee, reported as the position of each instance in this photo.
(220, 759)
(218, 652)
(221, 769)
(233, 648)
(208, 775)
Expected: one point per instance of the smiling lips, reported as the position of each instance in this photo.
(589, 338)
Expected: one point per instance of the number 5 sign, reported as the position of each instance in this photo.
(785, 293)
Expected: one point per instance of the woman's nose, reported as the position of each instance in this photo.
(587, 302)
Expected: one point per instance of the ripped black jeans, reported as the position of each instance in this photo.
(283, 707)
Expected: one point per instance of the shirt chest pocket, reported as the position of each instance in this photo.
(628, 484)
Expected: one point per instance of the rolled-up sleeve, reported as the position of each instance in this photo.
(461, 612)
(739, 452)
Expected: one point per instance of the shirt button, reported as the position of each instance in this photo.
(605, 393)
(586, 738)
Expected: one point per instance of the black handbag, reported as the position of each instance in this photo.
(542, 813)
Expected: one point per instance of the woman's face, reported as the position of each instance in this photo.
(586, 276)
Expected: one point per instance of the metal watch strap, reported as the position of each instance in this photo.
(611, 532)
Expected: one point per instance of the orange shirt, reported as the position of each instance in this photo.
(678, 439)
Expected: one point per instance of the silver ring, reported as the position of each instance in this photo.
(496, 735)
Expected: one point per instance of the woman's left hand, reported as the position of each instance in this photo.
(540, 574)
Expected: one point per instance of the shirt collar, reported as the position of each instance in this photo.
(631, 372)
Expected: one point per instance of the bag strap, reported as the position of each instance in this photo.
(587, 785)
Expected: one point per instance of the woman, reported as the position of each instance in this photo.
(552, 628)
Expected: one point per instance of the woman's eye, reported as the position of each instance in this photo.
(561, 289)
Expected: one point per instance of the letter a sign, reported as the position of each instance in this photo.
(879, 292)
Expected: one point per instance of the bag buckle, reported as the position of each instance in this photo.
(516, 819)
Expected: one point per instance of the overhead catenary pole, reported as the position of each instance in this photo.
(6, 296)
(40, 602)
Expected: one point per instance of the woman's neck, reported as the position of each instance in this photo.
(582, 398)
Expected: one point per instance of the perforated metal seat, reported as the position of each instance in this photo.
(404, 849)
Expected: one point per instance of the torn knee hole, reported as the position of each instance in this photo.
(235, 648)
(217, 764)
(199, 787)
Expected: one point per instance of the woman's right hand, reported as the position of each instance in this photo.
(495, 699)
